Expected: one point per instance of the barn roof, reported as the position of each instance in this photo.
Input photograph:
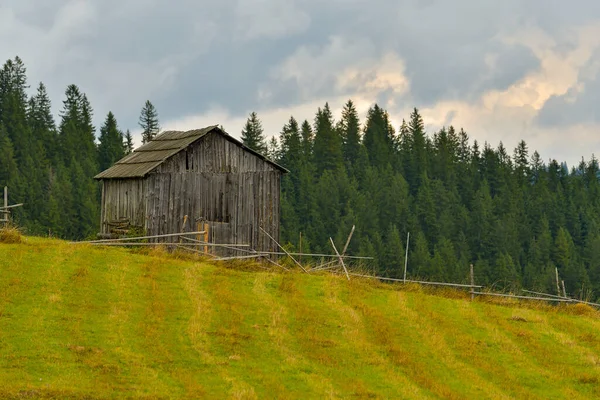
(150, 155)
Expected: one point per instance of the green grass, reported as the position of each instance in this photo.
(85, 322)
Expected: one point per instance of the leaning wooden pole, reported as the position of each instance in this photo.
(557, 282)
(284, 250)
(340, 257)
(348, 241)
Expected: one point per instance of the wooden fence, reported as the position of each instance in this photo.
(6, 209)
(337, 264)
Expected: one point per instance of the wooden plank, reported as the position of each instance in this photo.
(340, 257)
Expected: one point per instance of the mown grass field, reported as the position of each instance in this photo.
(84, 322)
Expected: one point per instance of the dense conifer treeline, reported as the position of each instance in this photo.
(50, 166)
(512, 215)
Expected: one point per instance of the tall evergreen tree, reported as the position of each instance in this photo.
(110, 149)
(378, 137)
(149, 122)
(253, 135)
(128, 142)
(349, 128)
(8, 165)
(327, 143)
(417, 142)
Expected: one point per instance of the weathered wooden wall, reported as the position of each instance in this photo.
(213, 181)
(123, 198)
(216, 182)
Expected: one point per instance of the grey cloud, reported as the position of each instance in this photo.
(572, 108)
(187, 56)
(575, 106)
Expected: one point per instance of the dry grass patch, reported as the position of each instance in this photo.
(582, 309)
(10, 235)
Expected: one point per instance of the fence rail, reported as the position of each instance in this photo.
(336, 266)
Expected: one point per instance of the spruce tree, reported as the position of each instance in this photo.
(128, 142)
(349, 128)
(308, 138)
(378, 137)
(418, 160)
(252, 134)
(273, 150)
(327, 143)
(8, 165)
(149, 122)
(42, 124)
(110, 148)
(71, 117)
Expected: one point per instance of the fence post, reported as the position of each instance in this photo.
(5, 210)
(472, 284)
(406, 255)
(206, 236)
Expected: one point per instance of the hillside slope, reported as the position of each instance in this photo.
(77, 321)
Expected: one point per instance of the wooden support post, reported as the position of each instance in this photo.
(198, 229)
(348, 241)
(564, 290)
(557, 282)
(300, 247)
(340, 257)
(345, 246)
(5, 215)
(406, 256)
(472, 284)
(206, 236)
(185, 218)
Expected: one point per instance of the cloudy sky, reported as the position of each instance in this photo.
(502, 70)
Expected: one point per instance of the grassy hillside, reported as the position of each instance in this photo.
(83, 322)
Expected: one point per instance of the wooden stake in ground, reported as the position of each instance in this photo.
(300, 247)
(406, 256)
(185, 218)
(284, 250)
(348, 241)
(340, 257)
(557, 282)
(472, 284)
(206, 228)
(343, 251)
(564, 290)
(198, 228)
(5, 215)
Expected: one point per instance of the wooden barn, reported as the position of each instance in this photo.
(204, 174)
